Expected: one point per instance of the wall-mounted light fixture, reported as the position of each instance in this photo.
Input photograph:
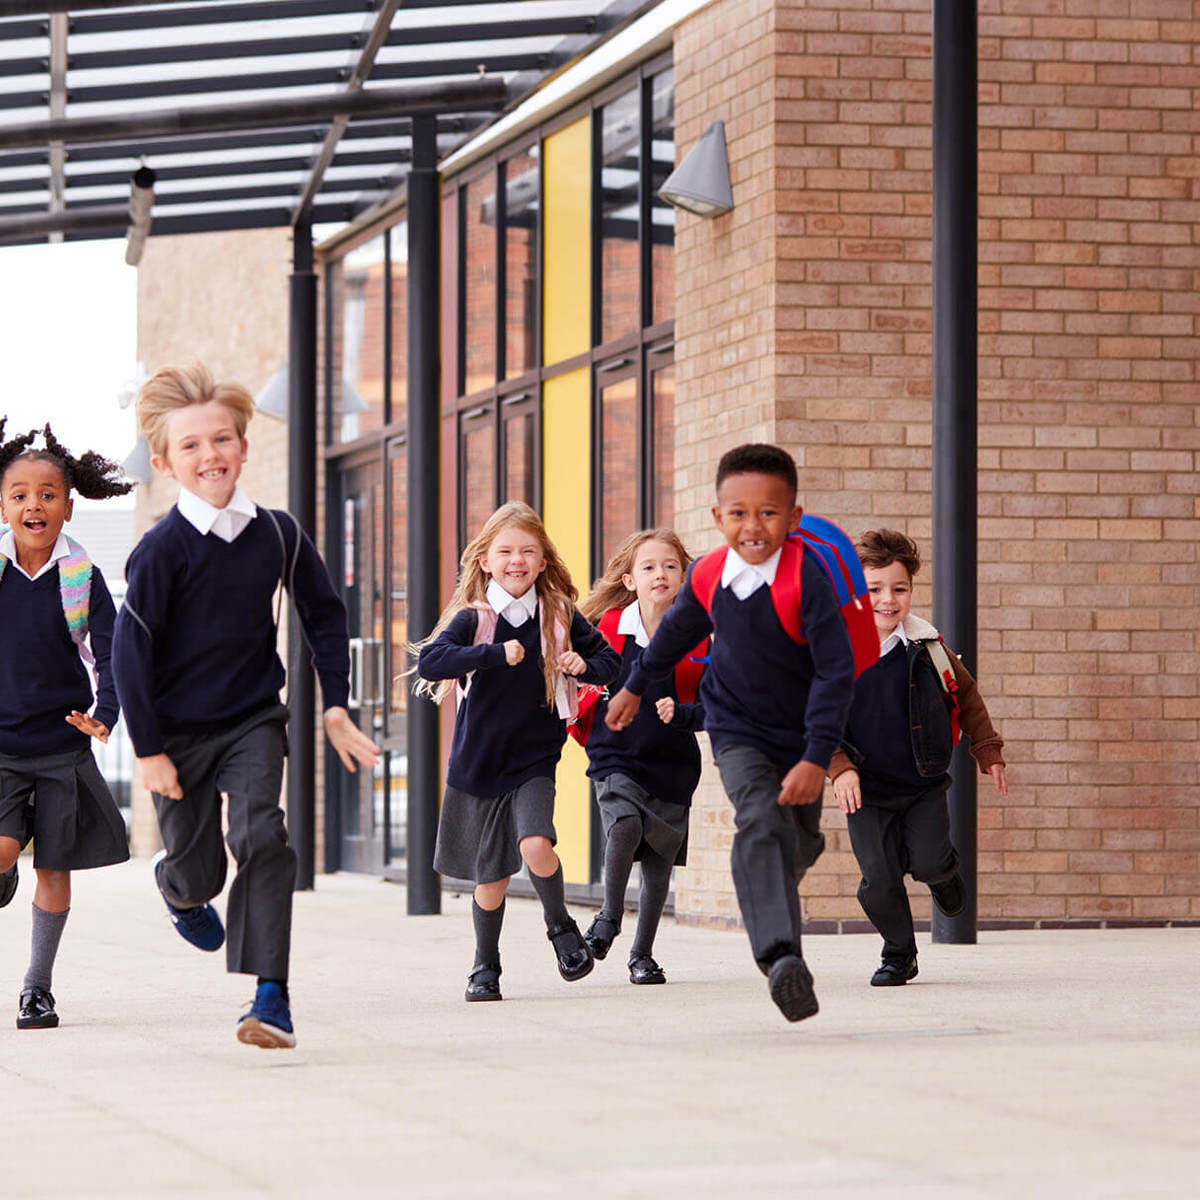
(141, 203)
(272, 400)
(700, 184)
(137, 462)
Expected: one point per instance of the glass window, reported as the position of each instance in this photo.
(620, 163)
(618, 463)
(398, 456)
(479, 286)
(521, 192)
(662, 466)
(478, 441)
(662, 214)
(518, 432)
(358, 402)
(399, 284)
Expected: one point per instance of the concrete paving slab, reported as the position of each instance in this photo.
(1034, 1064)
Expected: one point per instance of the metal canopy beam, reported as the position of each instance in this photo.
(173, 15)
(463, 95)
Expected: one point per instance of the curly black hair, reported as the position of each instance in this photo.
(758, 458)
(91, 475)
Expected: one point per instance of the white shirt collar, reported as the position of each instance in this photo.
(898, 637)
(631, 624)
(746, 578)
(225, 522)
(516, 610)
(8, 547)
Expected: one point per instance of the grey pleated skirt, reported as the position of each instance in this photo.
(63, 803)
(479, 839)
(664, 825)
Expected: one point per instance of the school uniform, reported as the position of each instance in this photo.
(898, 736)
(507, 739)
(198, 675)
(50, 787)
(769, 702)
(650, 769)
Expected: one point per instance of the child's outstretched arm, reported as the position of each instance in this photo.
(987, 746)
(351, 744)
(101, 618)
(453, 654)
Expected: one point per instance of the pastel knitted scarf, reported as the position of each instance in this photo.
(75, 589)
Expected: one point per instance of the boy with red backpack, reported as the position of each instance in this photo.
(776, 692)
(890, 776)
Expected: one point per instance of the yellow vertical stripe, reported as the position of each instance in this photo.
(566, 509)
(566, 326)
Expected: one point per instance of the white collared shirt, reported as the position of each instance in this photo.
(8, 547)
(631, 625)
(746, 578)
(516, 610)
(896, 638)
(227, 523)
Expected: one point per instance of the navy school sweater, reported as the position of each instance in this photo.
(664, 759)
(760, 688)
(505, 733)
(200, 654)
(42, 677)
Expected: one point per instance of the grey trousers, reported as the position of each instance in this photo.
(773, 846)
(246, 763)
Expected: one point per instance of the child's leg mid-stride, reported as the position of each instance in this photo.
(621, 841)
(656, 882)
(10, 851)
(51, 905)
(545, 873)
(875, 838)
(487, 915)
(773, 846)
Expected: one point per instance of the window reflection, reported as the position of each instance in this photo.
(518, 435)
(620, 276)
(358, 403)
(399, 285)
(479, 470)
(663, 464)
(479, 287)
(618, 464)
(521, 192)
(662, 214)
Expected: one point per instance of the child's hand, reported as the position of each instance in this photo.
(622, 708)
(514, 652)
(996, 770)
(570, 662)
(349, 741)
(847, 793)
(160, 777)
(802, 784)
(85, 724)
(666, 710)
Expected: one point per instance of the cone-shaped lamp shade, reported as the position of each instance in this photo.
(272, 401)
(137, 462)
(700, 184)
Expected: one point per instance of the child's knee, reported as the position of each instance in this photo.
(10, 851)
(538, 853)
(489, 896)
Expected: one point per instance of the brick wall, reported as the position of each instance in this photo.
(804, 316)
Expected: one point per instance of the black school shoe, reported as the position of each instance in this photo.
(895, 972)
(574, 957)
(37, 1010)
(644, 969)
(601, 934)
(483, 983)
(950, 895)
(8, 885)
(791, 986)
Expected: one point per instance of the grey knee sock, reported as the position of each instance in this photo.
(619, 848)
(656, 881)
(487, 923)
(47, 930)
(552, 895)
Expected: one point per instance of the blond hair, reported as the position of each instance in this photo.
(609, 590)
(555, 591)
(172, 388)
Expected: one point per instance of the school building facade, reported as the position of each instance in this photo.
(600, 350)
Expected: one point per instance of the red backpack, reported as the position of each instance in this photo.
(836, 556)
(687, 676)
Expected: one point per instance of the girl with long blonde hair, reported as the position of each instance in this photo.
(644, 775)
(515, 648)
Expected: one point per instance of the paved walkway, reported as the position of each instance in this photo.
(1059, 1064)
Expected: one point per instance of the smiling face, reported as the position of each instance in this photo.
(204, 451)
(891, 596)
(34, 503)
(514, 559)
(656, 576)
(755, 512)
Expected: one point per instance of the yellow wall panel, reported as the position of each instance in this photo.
(566, 327)
(566, 509)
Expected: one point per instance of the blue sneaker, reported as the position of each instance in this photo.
(200, 925)
(269, 1022)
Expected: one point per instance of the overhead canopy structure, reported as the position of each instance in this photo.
(254, 113)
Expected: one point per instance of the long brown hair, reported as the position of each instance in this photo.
(609, 591)
(555, 591)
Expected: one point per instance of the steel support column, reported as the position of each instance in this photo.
(955, 439)
(424, 888)
(302, 503)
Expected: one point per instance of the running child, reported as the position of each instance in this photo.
(513, 640)
(646, 774)
(891, 775)
(199, 677)
(774, 707)
(55, 614)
